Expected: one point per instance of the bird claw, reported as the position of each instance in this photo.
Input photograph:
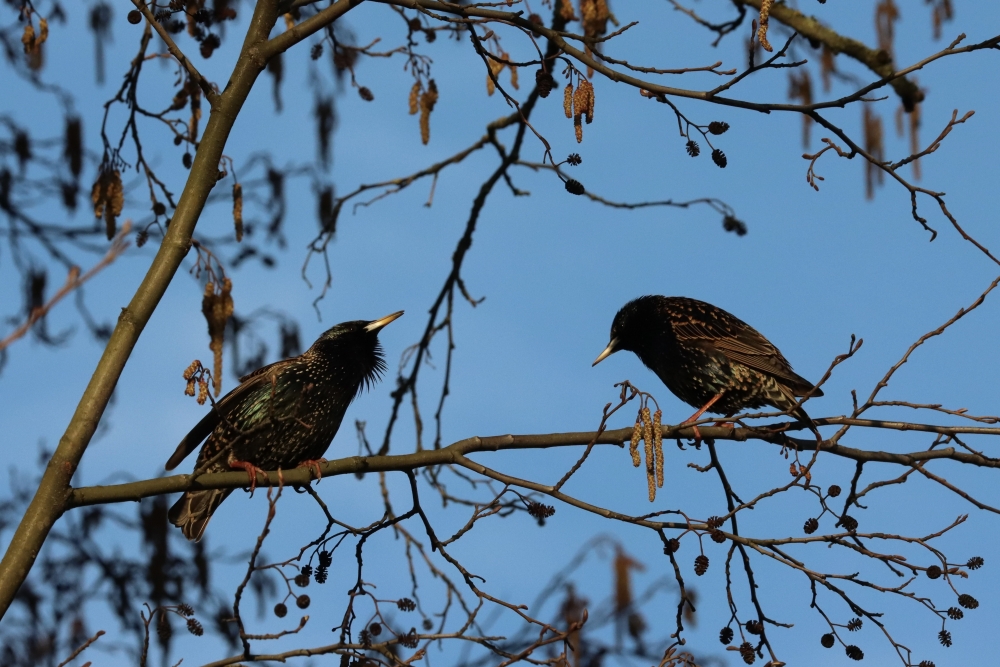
(313, 464)
(251, 470)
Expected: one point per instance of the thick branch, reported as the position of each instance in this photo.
(54, 490)
(458, 451)
(876, 60)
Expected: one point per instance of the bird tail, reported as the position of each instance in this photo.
(193, 510)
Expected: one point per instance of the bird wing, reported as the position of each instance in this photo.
(204, 428)
(740, 342)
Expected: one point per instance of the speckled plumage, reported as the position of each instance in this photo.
(280, 415)
(699, 350)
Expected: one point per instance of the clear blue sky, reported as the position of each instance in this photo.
(814, 269)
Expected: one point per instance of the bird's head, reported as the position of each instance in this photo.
(630, 328)
(356, 343)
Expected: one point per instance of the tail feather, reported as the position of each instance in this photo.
(193, 510)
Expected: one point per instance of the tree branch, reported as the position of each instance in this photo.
(54, 489)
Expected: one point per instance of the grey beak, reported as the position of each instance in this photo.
(378, 324)
(608, 351)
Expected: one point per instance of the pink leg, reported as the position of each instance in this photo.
(314, 465)
(250, 469)
(697, 415)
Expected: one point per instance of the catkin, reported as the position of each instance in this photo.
(658, 447)
(568, 100)
(633, 447)
(647, 437)
(414, 99)
(765, 12)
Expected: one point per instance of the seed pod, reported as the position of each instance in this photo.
(747, 653)
(854, 653)
(544, 82)
(810, 526)
(945, 638)
(975, 563)
(163, 629)
(726, 635)
(849, 523)
(833, 491)
(280, 610)
(718, 127)
(719, 158)
(574, 187)
(968, 601)
(194, 627)
(827, 640)
(701, 564)
(933, 572)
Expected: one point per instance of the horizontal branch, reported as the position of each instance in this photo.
(889, 76)
(457, 452)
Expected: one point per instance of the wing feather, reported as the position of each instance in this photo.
(204, 428)
(740, 342)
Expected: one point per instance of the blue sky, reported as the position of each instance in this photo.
(815, 268)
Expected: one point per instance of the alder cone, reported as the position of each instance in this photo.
(574, 187)
(544, 82)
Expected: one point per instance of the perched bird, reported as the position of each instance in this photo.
(708, 358)
(280, 416)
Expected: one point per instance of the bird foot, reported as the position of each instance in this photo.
(251, 470)
(697, 432)
(313, 464)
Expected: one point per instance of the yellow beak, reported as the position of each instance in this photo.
(608, 351)
(378, 324)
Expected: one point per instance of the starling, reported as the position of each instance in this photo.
(708, 358)
(282, 415)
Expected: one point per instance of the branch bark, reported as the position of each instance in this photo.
(877, 60)
(457, 453)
